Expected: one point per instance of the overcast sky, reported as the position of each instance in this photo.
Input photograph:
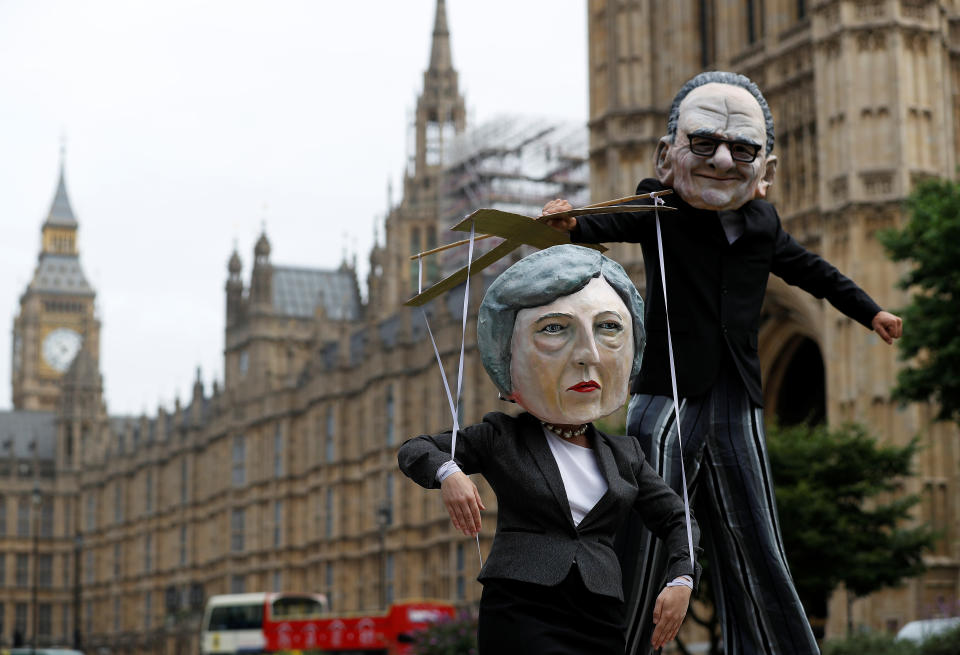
(189, 124)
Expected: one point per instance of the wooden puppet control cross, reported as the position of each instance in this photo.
(519, 230)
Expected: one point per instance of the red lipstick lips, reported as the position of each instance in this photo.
(585, 386)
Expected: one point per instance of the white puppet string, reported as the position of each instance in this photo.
(657, 201)
(454, 405)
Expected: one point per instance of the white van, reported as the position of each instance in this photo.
(917, 631)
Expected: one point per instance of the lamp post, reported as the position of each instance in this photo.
(384, 519)
(37, 499)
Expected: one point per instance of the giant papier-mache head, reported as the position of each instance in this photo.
(717, 153)
(564, 303)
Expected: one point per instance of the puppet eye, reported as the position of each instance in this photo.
(610, 326)
(552, 328)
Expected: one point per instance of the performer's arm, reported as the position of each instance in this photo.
(800, 267)
(663, 513)
(420, 458)
(426, 461)
(597, 228)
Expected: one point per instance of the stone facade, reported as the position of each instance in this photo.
(864, 98)
(284, 477)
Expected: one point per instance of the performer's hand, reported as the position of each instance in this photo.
(562, 224)
(462, 499)
(888, 326)
(668, 614)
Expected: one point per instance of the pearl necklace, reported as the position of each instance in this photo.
(565, 434)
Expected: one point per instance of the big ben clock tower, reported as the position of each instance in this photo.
(57, 316)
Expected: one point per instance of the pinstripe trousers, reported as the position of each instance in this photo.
(731, 495)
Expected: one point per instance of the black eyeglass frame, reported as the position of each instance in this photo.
(744, 150)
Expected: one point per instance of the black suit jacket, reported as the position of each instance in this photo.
(715, 289)
(536, 540)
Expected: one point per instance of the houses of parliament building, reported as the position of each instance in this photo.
(114, 530)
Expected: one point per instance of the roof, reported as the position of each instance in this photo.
(60, 211)
(299, 291)
(60, 274)
(21, 427)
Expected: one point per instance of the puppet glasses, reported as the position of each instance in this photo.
(704, 145)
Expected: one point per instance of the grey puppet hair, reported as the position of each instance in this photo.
(720, 77)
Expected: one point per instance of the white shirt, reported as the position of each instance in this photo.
(580, 471)
(733, 225)
(585, 483)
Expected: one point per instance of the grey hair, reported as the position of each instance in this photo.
(539, 279)
(720, 77)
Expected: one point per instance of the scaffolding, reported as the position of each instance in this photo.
(512, 163)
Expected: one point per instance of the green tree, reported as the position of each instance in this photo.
(840, 514)
(869, 644)
(930, 241)
(945, 643)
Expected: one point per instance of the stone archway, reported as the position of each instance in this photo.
(796, 389)
(794, 376)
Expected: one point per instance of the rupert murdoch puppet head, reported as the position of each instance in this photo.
(717, 151)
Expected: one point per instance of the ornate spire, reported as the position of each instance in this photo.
(261, 287)
(60, 211)
(234, 266)
(440, 108)
(261, 250)
(440, 59)
(83, 371)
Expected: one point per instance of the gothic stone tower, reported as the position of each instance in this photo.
(864, 96)
(57, 315)
(57, 419)
(411, 227)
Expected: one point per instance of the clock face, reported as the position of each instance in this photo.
(60, 347)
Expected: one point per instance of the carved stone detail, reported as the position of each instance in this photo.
(914, 8)
(866, 9)
(877, 183)
(839, 188)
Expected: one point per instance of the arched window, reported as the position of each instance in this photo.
(801, 396)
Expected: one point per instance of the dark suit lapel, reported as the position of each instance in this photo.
(608, 467)
(537, 443)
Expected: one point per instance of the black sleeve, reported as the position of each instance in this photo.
(818, 277)
(629, 227)
(663, 513)
(420, 458)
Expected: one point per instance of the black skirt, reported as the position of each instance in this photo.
(568, 619)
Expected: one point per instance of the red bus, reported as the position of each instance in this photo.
(389, 633)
